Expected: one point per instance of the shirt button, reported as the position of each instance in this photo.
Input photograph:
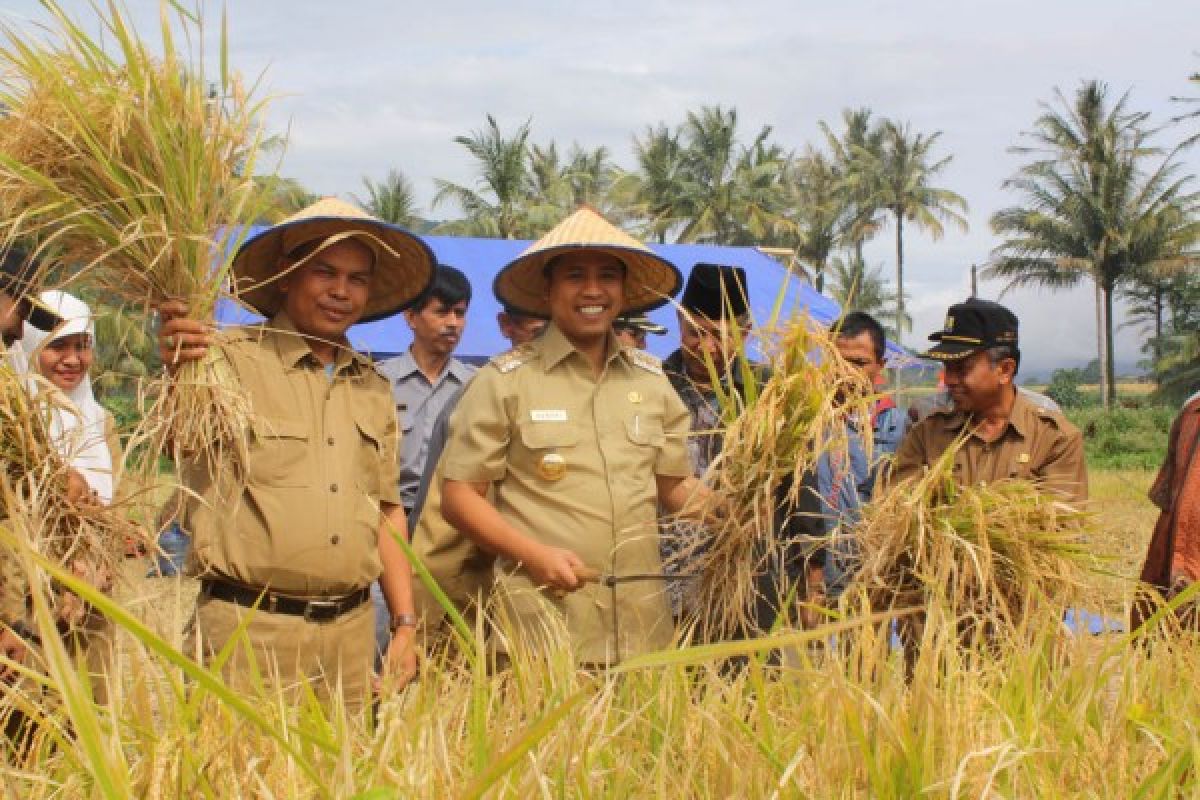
(329, 441)
(334, 539)
(333, 487)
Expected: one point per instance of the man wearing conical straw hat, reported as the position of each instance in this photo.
(581, 439)
(295, 537)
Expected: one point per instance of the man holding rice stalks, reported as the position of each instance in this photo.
(702, 371)
(292, 526)
(581, 439)
(462, 569)
(846, 478)
(1006, 435)
(980, 520)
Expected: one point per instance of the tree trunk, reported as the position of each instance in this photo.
(1100, 349)
(1109, 366)
(1156, 348)
(899, 278)
(897, 382)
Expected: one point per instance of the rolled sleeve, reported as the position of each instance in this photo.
(673, 459)
(1066, 469)
(477, 448)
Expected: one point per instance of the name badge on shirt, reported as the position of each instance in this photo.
(548, 415)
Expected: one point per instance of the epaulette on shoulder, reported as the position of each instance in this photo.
(508, 361)
(1050, 414)
(640, 358)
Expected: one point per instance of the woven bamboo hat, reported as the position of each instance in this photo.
(649, 279)
(403, 263)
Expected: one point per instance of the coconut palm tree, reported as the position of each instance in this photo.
(900, 184)
(816, 205)
(1100, 202)
(504, 202)
(392, 200)
(585, 177)
(859, 288)
(730, 194)
(650, 193)
(287, 196)
(857, 152)
(700, 184)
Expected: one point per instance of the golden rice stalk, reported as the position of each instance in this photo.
(982, 555)
(796, 408)
(134, 164)
(84, 536)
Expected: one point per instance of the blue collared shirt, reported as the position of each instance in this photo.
(418, 403)
(845, 485)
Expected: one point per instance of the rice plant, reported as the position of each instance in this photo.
(131, 164)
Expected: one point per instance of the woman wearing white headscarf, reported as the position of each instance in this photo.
(82, 429)
(84, 433)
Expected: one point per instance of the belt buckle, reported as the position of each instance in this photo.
(314, 610)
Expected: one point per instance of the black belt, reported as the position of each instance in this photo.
(320, 609)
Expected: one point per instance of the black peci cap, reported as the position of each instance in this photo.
(972, 326)
(715, 290)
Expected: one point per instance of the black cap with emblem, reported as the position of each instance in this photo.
(972, 326)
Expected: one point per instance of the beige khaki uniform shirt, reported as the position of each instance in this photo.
(304, 517)
(573, 461)
(1038, 445)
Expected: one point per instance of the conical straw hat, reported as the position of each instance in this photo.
(649, 279)
(403, 263)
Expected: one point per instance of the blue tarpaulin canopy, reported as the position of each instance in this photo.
(481, 259)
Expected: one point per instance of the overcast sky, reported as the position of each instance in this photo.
(367, 85)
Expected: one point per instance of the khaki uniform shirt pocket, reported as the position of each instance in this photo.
(545, 450)
(370, 455)
(279, 454)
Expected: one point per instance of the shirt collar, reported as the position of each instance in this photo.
(556, 347)
(1018, 416)
(405, 366)
(293, 348)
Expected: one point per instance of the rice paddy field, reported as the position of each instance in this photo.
(1057, 715)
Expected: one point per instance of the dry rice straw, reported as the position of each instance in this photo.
(127, 165)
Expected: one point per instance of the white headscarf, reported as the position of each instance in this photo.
(78, 430)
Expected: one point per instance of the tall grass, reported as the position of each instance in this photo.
(1062, 716)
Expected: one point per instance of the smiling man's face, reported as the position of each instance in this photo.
(328, 293)
(586, 292)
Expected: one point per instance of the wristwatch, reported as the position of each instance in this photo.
(402, 621)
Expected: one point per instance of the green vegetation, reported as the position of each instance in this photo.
(1124, 438)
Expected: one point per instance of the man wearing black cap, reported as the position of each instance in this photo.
(1008, 435)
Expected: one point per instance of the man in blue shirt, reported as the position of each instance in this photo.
(425, 379)
(845, 480)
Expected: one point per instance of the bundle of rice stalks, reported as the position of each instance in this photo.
(86, 537)
(981, 556)
(795, 408)
(129, 163)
